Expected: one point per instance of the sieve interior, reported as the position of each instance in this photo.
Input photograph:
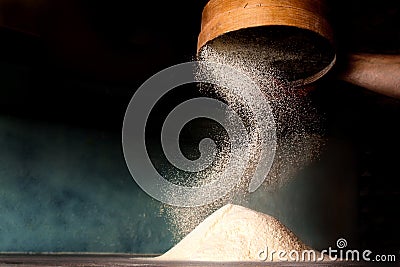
(301, 56)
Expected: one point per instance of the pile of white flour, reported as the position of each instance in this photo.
(235, 233)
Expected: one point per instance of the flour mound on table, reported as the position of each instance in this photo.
(234, 233)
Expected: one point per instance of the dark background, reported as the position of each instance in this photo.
(71, 67)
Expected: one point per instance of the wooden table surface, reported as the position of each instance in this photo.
(119, 260)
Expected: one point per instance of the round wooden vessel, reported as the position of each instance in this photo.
(305, 18)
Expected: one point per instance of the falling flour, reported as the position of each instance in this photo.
(235, 233)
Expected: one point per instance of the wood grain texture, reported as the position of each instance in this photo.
(223, 16)
(124, 260)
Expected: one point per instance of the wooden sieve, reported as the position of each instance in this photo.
(298, 26)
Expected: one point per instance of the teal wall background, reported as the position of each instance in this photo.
(68, 189)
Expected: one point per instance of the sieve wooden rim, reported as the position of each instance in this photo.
(223, 16)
